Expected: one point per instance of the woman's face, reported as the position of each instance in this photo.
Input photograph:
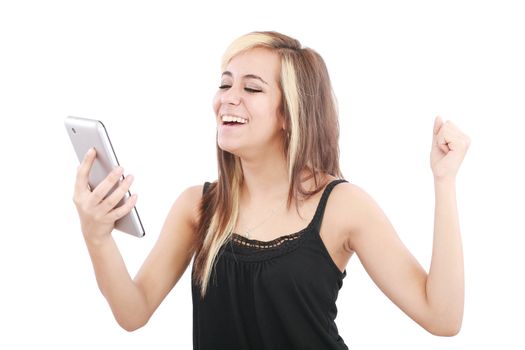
(247, 104)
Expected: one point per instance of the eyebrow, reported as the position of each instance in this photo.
(249, 76)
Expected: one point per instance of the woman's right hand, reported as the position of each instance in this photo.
(96, 211)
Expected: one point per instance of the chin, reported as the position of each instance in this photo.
(229, 149)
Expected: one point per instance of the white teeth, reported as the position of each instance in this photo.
(231, 118)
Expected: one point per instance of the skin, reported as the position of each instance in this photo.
(353, 221)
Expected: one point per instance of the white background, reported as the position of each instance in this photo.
(149, 71)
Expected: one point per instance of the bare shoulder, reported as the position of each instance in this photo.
(188, 203)
(349, 195)
(353, 191)
(355, 208)
(347, 199)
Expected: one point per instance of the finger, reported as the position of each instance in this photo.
(442, 143)
(116, 196)
(442, 138)
(449, 136)
(454, 137)
(84, 169)
(103, 188)
(438, 122)
(124, 209)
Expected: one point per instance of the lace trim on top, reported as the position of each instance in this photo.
(274, 243)
(242, 248)
(254, 250)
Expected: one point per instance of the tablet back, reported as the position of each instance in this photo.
(86, 133)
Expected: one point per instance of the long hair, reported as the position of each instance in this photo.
(311, 143)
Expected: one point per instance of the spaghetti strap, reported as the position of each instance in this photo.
(319, 213)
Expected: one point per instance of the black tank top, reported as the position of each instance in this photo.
(272, 295)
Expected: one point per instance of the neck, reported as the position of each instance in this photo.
(265, 179)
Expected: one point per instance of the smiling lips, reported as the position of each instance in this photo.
(233, 120)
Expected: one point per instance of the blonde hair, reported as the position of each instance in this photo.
(311, 122)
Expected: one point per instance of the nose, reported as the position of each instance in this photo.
(231, 96)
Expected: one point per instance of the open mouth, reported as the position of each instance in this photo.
(232, 120)
(232, 123)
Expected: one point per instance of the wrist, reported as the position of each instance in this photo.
(96, 240)
(445, 181)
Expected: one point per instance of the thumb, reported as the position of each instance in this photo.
(438, 122)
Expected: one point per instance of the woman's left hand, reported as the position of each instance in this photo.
(449, 146)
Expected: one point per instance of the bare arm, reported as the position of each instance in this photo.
(133, 301)
(445, 282)
(113, 279)
(173, 251)
(434, 300)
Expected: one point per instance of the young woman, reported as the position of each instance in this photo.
(270, 239)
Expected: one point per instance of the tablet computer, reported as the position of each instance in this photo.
(85, 134)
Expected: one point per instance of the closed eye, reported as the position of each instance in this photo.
(252, 90)
(224, 87)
